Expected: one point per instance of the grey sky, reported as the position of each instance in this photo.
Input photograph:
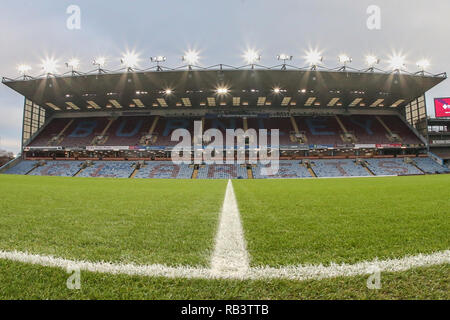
(220, 30)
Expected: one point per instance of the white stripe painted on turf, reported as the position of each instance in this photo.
(318, 272)
(155, 270)
(230, 258)
(298, 273)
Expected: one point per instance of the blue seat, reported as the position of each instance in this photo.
(428, 165)
(339, 168)
(287, 170)
(391, 167)
(165, 170)
(109, 169)
(58, 168)
(21, 168)
(225, 171)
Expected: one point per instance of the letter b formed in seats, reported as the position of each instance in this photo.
(84, 129)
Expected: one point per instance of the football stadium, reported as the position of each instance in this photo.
(224, 182)
(95, 186)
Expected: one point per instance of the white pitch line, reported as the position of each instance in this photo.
(318, 272)
(297, 273)
(155, 270)
(230, 258)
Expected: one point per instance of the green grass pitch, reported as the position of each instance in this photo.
(344, 220)
(116, 220)
(174, 222)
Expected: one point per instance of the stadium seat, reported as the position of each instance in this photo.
(82, 131)
(282, 124)
(165, 170)
(399, 127)
(127, 131)
(58, 168)
(318, 130)
(224, 171)
(367, 129)
(109, 169)
(22, 167)
(287, 170)
(50, 131)
(339, 168)
(428, 165)
(392, 167)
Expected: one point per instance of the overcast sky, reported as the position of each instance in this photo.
(220, 30)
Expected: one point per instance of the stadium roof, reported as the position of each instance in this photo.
(239, 88)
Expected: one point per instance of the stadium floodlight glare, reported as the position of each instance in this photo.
(50, 65)
(23, 68)
(191, 57)
(276, 90)
(252, 56)
(130, 60)
(313, 58)
(397, 62)
(168, 91)
(222, 90)
(73, 63)
(371, 61)
(344, 59)
(100, 62)
(423, 64)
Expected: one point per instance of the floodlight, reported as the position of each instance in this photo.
(313, 58)
(277, 90)
(222, 90)
(158, 59)
(191, 57)
(73, 63)
(344, 59)
(397, 62)
(100, 62)
(168, 91)
(50, 65)
(371, 61)
(284, 57)
(252, 56)
(423, 64)
(130, 59)
(23, 68)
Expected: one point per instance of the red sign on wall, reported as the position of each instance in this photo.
(442, 107)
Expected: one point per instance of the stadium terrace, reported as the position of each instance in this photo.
(332, 122)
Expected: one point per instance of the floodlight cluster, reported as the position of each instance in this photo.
(313, 59)
(191, 57)
(130, 60)
(252, 56)
(50, 65)
(100, 62)
(222, 90)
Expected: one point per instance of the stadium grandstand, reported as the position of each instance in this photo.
(439, 139)
(332, 123)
